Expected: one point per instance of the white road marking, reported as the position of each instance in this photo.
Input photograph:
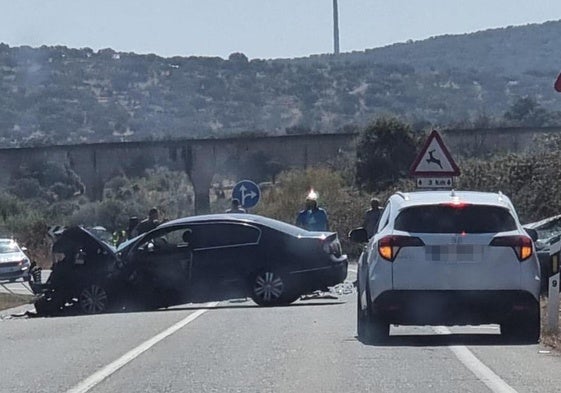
(480, 370)
(97, 377)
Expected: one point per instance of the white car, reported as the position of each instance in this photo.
(14, 263)
(448, 258)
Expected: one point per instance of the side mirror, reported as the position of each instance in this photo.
(358, 235)
(532, 233)
(24, 249)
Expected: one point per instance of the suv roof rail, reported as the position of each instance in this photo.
(501, 196)
(403, 195)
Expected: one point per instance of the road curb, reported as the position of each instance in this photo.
(17, 311)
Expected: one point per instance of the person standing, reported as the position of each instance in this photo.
(133, 222)
(312, 218)
(149, 223)
(371, 217)
(236, 208)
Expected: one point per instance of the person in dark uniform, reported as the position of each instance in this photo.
(149, 223)
(133, 222)
(236, 208)
(371, 217)
(312, 218)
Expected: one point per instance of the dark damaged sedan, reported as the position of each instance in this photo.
(195, 259)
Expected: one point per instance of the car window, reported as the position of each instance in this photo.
(452, 219)
(167, 239)
(385, 218)
(224, 235)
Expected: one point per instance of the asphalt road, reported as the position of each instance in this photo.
(310, 346)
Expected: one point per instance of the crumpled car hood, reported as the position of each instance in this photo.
(549, 231)
(76, 237)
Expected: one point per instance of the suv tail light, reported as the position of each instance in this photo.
(522, 245)
(389, 246)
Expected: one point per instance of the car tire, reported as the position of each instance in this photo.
(270, 288)
(93, 298)
(371, 328)
(524, 328)
(48, 305)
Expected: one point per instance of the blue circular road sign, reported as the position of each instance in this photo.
(247, 192)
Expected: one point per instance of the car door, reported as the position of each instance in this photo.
(225, 253)
(162, 260)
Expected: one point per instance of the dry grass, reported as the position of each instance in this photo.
(8, 300)
(548, 338)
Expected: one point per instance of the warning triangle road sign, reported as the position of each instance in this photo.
(434, 159)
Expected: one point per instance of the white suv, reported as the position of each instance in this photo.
(448, 258)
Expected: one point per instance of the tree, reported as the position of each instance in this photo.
(527, 112)
(384, 153)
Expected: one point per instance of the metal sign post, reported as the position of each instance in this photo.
(553, 295)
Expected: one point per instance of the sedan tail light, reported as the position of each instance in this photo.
(389, 246)
(333, 247)
(522, 245)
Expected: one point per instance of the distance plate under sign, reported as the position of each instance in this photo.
(434, 182)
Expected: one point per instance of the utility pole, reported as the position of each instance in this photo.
(335, 28)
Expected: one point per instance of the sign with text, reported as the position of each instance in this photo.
(434, 182)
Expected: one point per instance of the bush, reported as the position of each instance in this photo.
(531, 181)
(384, 153)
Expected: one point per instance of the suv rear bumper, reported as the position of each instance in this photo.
(452, 307)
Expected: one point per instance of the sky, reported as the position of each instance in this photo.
(257, 28)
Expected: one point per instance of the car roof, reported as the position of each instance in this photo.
(241, 218)
(404, 200)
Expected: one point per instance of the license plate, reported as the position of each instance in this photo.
(450, 253)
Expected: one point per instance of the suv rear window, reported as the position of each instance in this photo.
(455, 219)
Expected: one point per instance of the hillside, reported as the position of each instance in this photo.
(62, 95)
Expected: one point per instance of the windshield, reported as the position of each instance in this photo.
(452, 219)
(127, 243)
(8, 247)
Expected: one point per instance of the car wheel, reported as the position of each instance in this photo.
(524, 328)
(371, 328)
(49, 305)
(269, 288)
(93, 299)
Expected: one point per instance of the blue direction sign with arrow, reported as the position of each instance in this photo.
(247, 192)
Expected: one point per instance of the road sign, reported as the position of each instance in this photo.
(434, 182)
(247, 192)
(434, 160)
